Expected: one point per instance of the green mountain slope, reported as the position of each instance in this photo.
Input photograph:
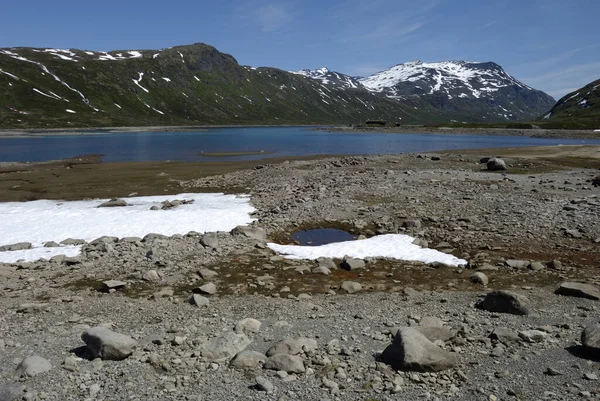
(185, 85)
(578, 109)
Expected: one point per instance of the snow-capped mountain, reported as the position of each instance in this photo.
(463, 79)
(329, 77)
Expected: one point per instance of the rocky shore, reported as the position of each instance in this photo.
(221, 316)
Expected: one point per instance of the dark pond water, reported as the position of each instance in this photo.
(261, 142)
(321, 236)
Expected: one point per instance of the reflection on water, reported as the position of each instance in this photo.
(321, 236)
(236, 143)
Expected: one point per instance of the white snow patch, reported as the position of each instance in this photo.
(137, 82)
(158, 111)
(118, 106)
(70, 111)
(155, 55)
(135, 54)
(9, 74)
(46, 220)
(55, 97)
(393, 246)
(167, 79)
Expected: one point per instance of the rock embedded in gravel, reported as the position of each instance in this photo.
(532, 336)
(10, 391)
(113, 285)
(504, 335)
(479, 278)
(256, 233)
(516, 264)
(351, 287)
(263, 384)
(208, 289)
(504, 302)
(225, 346)
(207, 274)
(579, 290)
(33, 366)
(286, 362)
(32, 308)
(248, 325)
(412, 351)
(198, 300)
(209, 241)
(293, 346)
(108, 345)
(247, 360)
(495, 164)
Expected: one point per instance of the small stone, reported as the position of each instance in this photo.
(113, 285)
(285, 362)
(225, 346)
(94, 389)
(552, 372)
(532, 336)
(590, 376)
(256, 233)
(207, 274)
(352, 264)
(495, 164)
(247, 360)
(151, 275)
(10, 391)
(264, 385)
(504, 302)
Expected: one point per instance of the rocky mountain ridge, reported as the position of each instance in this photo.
(197, 84)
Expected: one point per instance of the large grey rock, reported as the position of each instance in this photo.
(207, 274)
(33, 366)
(437, 333)
(198, 300)
(590, 337)
(579, 290)
(516, 263)
(352, 264)
(495, 164)
(209, 241)
(293, 346)
(10, 391)
(412, 351)
(108, 345)
(208, 289)
(247, 360)
(263, 384)
(225, 346)
(256, 233)
(20, 246)
(479, 278)
(504, 302)
(351, 287)
(504, 335)
(285, 362)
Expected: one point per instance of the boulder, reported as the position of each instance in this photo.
(495, 164)
(256, 233)
(207, 274)
(108, 345)
(412, 351)
(504, 302)
(287, 363)
(352, 264)
(247, 360)
(208, 289)
(479, 278)
(437, 333)
(225, 346)
(351, 287)
(33, 366)
(209, 241)
(579, 290)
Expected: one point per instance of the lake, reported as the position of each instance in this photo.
(222, 144)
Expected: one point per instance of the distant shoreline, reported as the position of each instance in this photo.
(407, 129)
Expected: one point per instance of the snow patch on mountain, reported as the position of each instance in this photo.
(327, 77)
(471, 79)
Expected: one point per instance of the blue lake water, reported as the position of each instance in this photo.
(274, 141)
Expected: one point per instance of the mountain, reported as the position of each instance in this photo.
(577, 109)
(196, 84)
(475, 90)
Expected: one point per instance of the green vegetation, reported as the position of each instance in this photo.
(577, 110)
(195, 85)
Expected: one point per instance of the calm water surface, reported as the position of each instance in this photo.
(274, 141)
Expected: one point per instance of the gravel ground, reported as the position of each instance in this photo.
(526, 229)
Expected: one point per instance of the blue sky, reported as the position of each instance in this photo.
(552, 45)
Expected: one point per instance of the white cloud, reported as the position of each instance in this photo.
(273, 17)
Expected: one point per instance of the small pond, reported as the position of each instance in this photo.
(321, 236)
